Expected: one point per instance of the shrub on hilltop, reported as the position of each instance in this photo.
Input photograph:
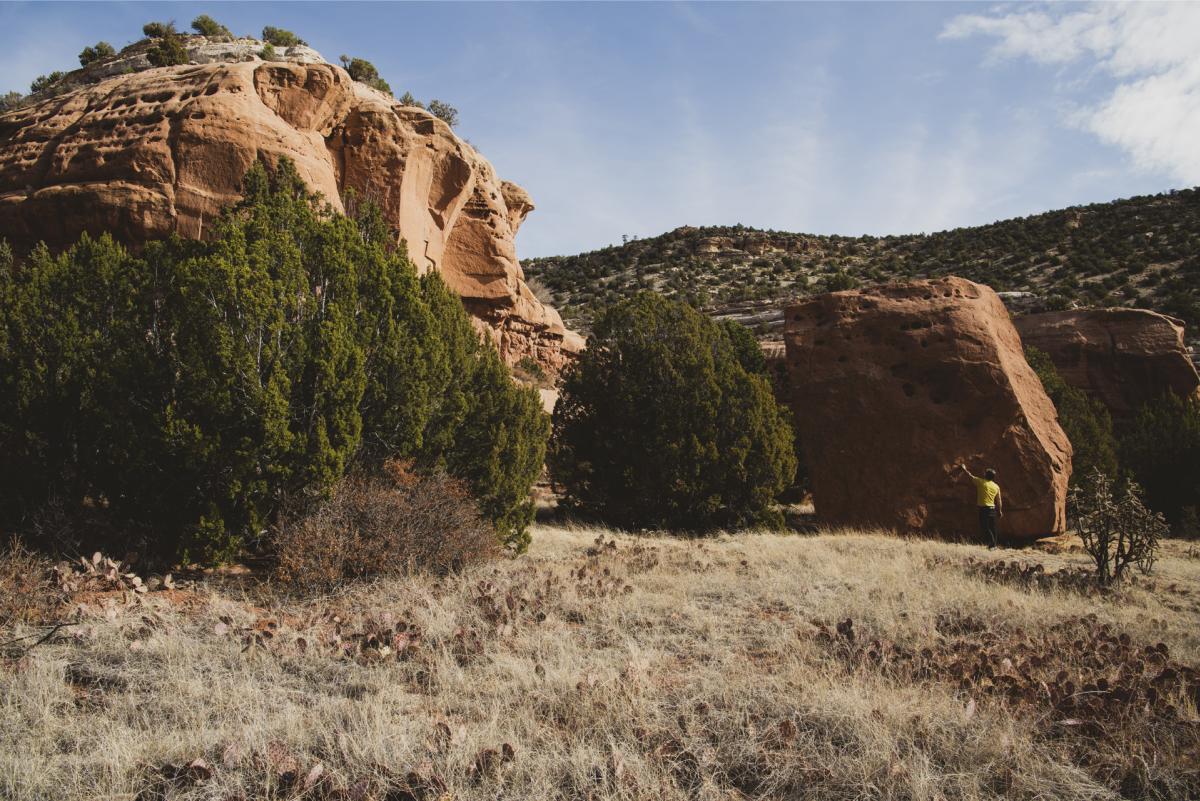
(660, 425)
(444, 112)
(10, 101)
(407, 99)
(209, 27)
(168, 50)
(97, 52)
(43, 82)
(364, 71)
(157, 30)
(281, 37)
(184, 393)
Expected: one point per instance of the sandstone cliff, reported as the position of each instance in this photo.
(1123, 357)
(160, 151)
(893, 386)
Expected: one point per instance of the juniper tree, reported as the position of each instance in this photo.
(660, 425)
(186, 392)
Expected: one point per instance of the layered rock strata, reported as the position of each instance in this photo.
(162, 151)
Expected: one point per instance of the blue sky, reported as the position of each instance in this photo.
(633, 119)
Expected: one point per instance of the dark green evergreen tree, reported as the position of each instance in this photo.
(659, 425)
(483, 427)
(97, 52)
(168, 50)
(43, 82)
(745, 347)
(1160, 448)
(156, 30)
(444, 112)
(1084, 420)
(364, 71)
(281, 37)
(207, 26)
(185, 393)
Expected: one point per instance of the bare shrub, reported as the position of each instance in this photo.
(28, 592)
(375, 525)
(540, 290)
(1117, 530)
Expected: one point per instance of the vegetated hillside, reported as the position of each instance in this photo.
(835, 666)
(1144, 252)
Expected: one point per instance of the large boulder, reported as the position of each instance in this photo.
(162, 151)
(895, 385)
(1122, 357)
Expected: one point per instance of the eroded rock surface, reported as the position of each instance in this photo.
(163, 150)
(1123, 357)
(893, 386)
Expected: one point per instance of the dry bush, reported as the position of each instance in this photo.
(379, 525)
(1117, 530)
(28, 592)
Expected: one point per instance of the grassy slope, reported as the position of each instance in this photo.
(1144, 251)
(649, 669)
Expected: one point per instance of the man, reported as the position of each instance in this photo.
(987, 498)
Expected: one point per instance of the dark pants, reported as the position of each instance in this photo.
(987, 524)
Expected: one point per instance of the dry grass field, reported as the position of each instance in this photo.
(834, 666)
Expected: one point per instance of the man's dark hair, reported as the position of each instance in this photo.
(989, 474)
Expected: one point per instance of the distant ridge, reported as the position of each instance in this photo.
(1139, 252)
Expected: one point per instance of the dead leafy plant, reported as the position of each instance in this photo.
(391, 524)
(1034, 576)
(102, 574)
(1119, 706)
(28, 591)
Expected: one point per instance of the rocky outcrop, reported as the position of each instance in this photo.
(894, 386)
(1123, 357)
(164, 150)
(200, 50)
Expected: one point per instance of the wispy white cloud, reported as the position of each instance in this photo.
(931, 179)
(1152, 51)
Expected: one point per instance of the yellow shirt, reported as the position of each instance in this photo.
(986, 492)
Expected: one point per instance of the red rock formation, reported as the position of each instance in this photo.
(894, 386)
(161, 151)
(1123, 357)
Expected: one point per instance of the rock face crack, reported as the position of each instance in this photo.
(155, 152)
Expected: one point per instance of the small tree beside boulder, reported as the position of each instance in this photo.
(1160, 448)
(1084, 420)
(660, 425)
(1117, 529)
